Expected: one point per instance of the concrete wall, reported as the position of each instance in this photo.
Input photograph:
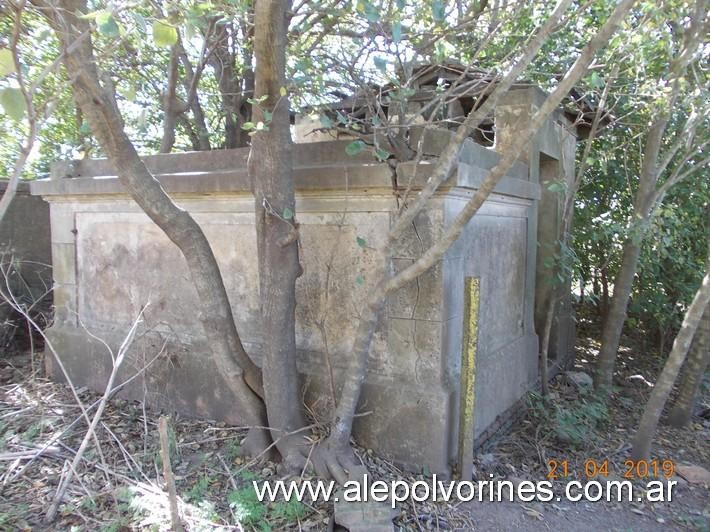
(25, 233)
(25, 238)
(550, 158)
(109, 260)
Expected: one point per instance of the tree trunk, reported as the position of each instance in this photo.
(545, 345)
(695, 367)
(604, 281)
(647, 197)
(616, 316)
(652, 413)
(270, 168)
(223, 64)
(582, 283)
(170, 110)
(215, 313)
(192, 77)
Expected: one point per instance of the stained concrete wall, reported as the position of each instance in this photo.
(550, 158)
(109, 260)
(25, 236)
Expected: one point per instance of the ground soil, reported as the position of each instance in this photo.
(124, 490)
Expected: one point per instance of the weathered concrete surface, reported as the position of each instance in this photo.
(110, 260)
(25, 239)
(25, 234)
(550, 159)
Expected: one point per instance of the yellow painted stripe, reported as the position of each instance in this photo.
(468, 376)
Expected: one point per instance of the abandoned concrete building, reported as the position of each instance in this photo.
(109, 260)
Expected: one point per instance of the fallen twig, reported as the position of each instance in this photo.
(91, 433)
(168, 473)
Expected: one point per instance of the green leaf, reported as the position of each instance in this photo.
(287, 214)
(268, 116)
(359, 280)
(596, 81)
(192, 29)
(12, 103)
(257, 101)
(282, 91)
(140, 22)
(129, 93)
(380, 64)
(107, 25)
(372, 13)
(360, 241)
(381, 154)
(7, 62)
(401, 4)
(248, 126)
(85, 129)
(438, 10)
(164, 34)
(556, 187)
(397, 31)
(355, 147)
(93, 15)
(325, 121)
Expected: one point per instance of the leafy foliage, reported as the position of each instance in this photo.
(249, 511)
(572, 423)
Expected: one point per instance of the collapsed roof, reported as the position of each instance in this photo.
(466, 87)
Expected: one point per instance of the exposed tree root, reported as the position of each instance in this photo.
(258, 443)
(334, 461)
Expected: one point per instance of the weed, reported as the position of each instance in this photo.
(290, 511)
(571, 422)
(199, 489)
(87, 503)
(14, 519)
(246, 506)
(233, 450)
(35, 430)
(248, 476)
(118, 525)
(249, 511)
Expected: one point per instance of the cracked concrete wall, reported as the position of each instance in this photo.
(110, 259)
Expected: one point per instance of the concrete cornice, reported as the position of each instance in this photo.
(318, 166)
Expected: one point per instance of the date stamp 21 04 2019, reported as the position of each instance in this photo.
(595, 469)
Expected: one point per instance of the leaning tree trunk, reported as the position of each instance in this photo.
(215, 313)
(652, 413)
(695, 367)
(643, 204)
(616, 315)
(270, 168)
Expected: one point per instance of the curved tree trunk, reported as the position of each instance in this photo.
(270, 168)
(652, 413)
(695, 367)
(99, 107)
